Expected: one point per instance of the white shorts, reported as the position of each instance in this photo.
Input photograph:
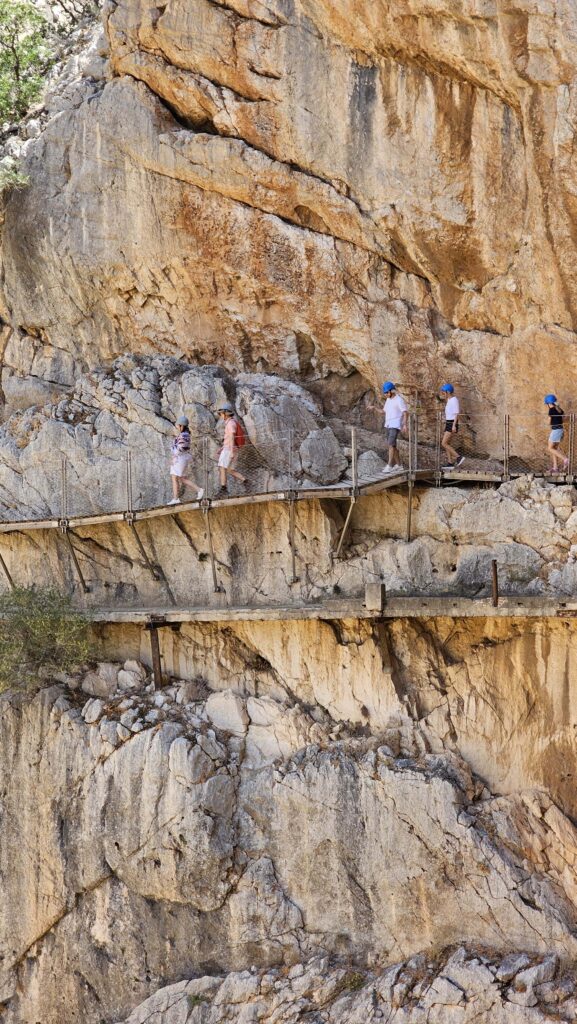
(226, 458)
(179, 465)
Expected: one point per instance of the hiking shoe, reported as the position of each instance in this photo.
(451, 465)
(389, 469)
(200, 494)
(460, 461)
(175, 501)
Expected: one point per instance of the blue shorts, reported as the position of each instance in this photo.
(556, 436)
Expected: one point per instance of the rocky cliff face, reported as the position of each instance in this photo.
(312, 188)
(280, 203)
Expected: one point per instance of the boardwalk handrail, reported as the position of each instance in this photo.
(137, 483)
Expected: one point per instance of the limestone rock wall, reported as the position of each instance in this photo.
(309, 188)
(156, 848)
(283, 202)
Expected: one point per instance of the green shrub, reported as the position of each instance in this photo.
(11, 178)
(26, 53)
(197, 1001)
(39, 631)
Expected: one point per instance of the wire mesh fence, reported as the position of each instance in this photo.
(534, 448)
(87, 484)
(469, 447)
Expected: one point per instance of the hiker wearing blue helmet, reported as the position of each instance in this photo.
(396, 413)
(556, 415)
(452, 414)
(180, 460)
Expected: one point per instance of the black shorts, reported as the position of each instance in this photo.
(449, 427)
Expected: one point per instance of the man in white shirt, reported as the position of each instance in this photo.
(396, 413)
(452, 414)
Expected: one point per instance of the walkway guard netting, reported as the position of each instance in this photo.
(87, 483)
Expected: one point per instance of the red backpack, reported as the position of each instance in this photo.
(240, 437)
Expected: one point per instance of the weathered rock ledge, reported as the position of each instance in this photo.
(157, 848)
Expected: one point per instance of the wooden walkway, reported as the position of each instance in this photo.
(410, 607)
(341, 490)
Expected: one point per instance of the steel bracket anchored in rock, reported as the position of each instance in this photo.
(292, 499)
(155, 623)
(130, 520)
(205, 508)
(64, 527)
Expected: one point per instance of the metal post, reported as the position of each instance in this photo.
(571, 452)
(291, 476)
(410, 511)
(438, 451)
(506, 447)
(354, 464)
(292, 518)
(205, 466)
(129, 503)
(411, 460)
(416, 442)
(64, 494)
(156, 659)
(495, 583)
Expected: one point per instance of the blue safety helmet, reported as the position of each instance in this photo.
(550, 399)
(388, 387)
(448, 389)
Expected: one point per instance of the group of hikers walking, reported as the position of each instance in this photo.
(396, 420)
(396, 413)
(181, 458)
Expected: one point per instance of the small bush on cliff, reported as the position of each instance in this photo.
(25, 55)
(39, 631)
(11, 179)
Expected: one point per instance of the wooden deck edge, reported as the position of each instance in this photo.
(394, 608)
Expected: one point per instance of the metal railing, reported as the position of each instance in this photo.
(133, 480)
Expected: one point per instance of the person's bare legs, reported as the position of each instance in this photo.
(450, 452)
(557, 455)
(394, 459)
(191, 483)
(176, 486)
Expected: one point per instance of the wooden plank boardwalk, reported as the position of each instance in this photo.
(410, 607)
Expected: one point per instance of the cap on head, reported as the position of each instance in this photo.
(225, 407)
(182, 421)
(550, 399)
(388, 387)
(448, 389)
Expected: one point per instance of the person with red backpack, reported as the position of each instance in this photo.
(234, 440)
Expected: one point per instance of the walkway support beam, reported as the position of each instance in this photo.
(495, 583)
(354, 495)
(206, 512)
(6, 572)
(292, 541)
(129, 518)
(65, 531)
(155, 654)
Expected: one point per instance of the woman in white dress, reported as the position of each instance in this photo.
(180, 460)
